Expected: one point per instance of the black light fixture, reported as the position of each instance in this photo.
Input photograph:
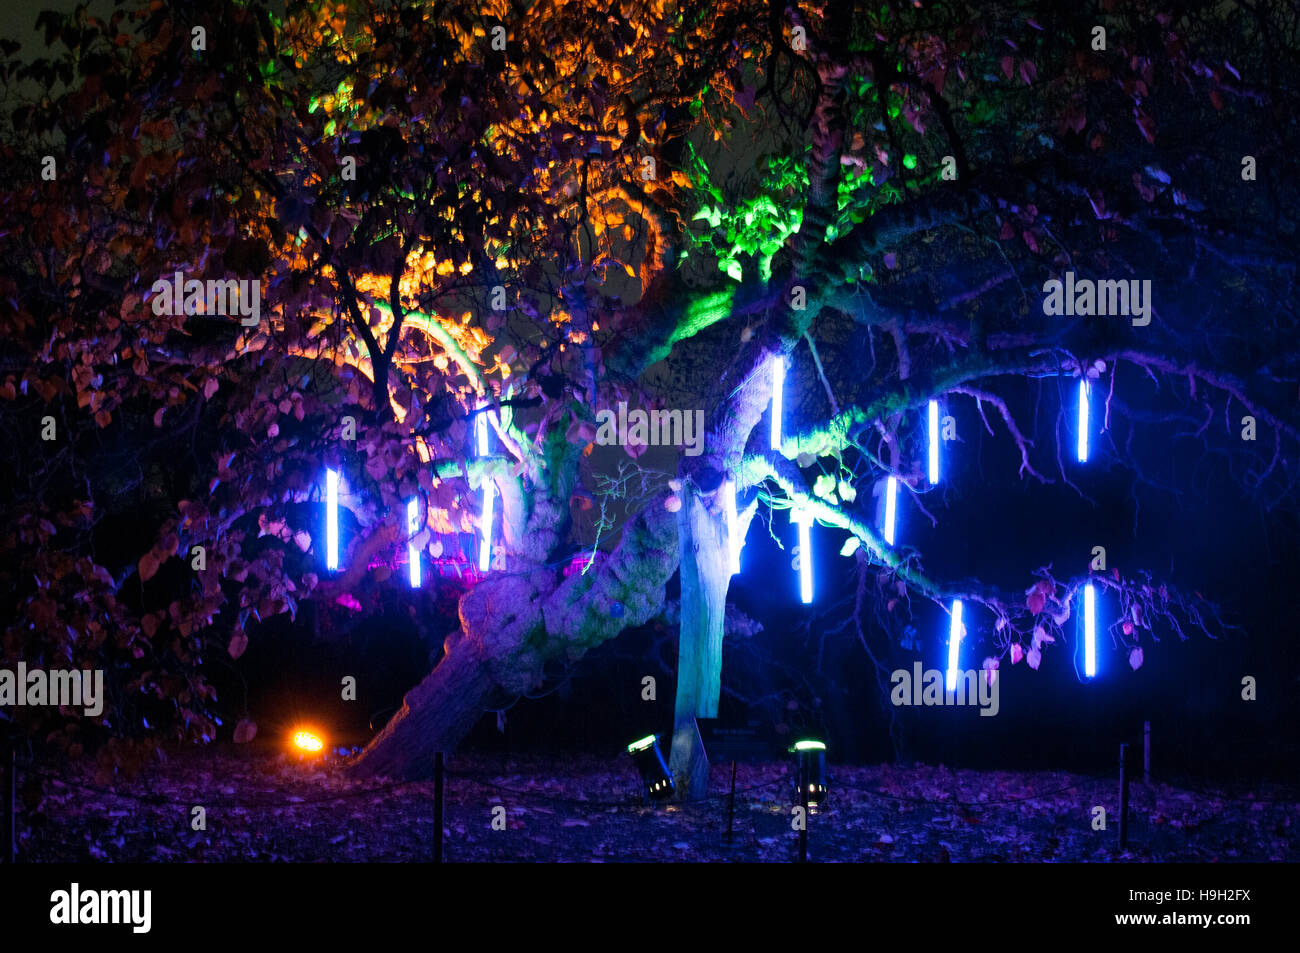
(656, 777)
(810, 772)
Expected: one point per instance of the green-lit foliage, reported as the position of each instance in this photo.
(756, 226)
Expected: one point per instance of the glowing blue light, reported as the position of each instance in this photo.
(891, 508)
(331, 519)
(1089, 631)
(481, 432)
(413, 551)
(1083, 421)
(778, 381)
(733, 524)
(489, 490)
(934, 442)
(954, 642)
(485, 544)
(804, 520)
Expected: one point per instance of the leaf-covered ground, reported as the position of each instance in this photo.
(266, 806)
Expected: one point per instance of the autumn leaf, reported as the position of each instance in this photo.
(1135, 658)
(580, 432)
(1146, 125)
(1035, 601)
(990, 667)
(238, 643)
(245, 731)
(148, 565)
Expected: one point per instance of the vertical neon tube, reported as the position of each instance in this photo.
(481, 431)
(1083, 421)
(733, 524)
(934, 443)
(485, 543)
(331, 519)
(805, 557)
(413, 551)
(1089, 631)
(481, 448)
(891, 508)
(954, 643)
(778, 384)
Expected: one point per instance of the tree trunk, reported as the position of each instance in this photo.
(435, 716)
(688, 761)
(512, 624)
(705, 573)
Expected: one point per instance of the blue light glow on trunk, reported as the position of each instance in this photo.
(778, 383)
(481, 431)
(733, 524)
(481, 448)
(485, 544)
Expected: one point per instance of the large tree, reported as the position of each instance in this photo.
(527, 213)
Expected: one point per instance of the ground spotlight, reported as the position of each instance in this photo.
(649, 760)
(810, 772)
(307, 742)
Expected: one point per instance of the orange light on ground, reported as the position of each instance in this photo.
(307, 742)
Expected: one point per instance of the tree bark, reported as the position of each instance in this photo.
(705, 573)
(434, 717)
(511, 625)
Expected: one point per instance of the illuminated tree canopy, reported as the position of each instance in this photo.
(534, 211)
